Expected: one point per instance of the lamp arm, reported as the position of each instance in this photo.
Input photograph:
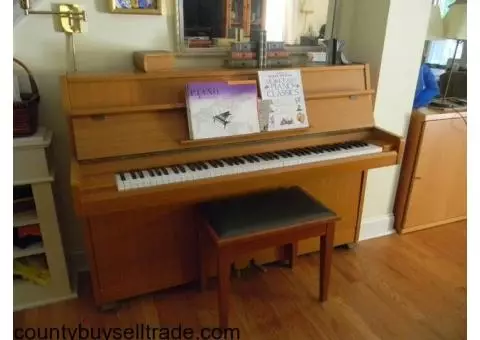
(451, 71)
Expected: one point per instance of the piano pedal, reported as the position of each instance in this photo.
(257, 266)
(112, 307)
(236, 272)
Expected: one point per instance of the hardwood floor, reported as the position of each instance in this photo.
(397, 287)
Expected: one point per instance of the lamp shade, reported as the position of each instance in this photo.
(455, 22)
(435, 25)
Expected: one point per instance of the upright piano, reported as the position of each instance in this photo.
(136, 177)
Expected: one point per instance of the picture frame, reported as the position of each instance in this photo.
(152, 7)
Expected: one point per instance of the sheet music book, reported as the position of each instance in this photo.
(282, 90)
(222, 109)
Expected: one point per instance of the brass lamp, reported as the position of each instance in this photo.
(70, 18)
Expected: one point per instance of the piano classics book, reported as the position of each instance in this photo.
(222, 109)
(282, 91)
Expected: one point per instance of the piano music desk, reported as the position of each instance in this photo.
(143, 239)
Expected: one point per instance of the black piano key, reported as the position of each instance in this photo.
(249, 159)
(221, 163)
(197, 166)
(181, 168)
(305, 151)
(122, 176)
(191, 167)
(229, 161)
(275, 155)
(264, 156)
(296, 152)
(212, 163)
(158, 172)
(241, 160)
(271, 156)
(165, 171)
(204, 166)
(255, 158)
(175, 169)
(151, 173)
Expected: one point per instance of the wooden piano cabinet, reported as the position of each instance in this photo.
(141, 251)
(150, 249)
(432, 188)
(143, 240)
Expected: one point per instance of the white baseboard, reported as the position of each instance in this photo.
(377, 226)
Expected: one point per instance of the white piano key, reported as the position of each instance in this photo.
(120, 184)
(282, 160)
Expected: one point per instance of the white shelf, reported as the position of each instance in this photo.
(41, 138)
(25, 218)
(28, 295)
(32, 250)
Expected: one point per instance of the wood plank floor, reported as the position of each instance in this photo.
(397, 287)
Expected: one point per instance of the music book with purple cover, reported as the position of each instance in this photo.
(222, 109)
(283, 91)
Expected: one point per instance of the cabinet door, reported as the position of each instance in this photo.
(439, 188)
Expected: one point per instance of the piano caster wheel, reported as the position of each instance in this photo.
(110, 307)
(350, 246)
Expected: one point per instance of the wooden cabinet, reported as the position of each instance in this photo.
(245, 14)
(432, 187)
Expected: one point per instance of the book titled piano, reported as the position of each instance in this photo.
(222, 109)
(282, 92)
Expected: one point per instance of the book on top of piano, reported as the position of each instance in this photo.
(222, 109)
(283, 101)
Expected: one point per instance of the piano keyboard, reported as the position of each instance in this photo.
(179, 173)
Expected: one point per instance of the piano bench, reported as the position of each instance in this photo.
(279, 217)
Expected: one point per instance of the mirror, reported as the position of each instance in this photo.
(214, 24)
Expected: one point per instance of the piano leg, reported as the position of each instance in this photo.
(291, 254)
(223, 270)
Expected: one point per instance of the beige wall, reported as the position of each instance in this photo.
(390, 38)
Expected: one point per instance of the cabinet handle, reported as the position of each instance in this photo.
(416, 177)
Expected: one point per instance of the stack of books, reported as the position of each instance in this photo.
(244, 55)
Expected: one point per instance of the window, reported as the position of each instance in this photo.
(440, 51)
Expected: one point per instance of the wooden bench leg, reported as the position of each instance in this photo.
(223, 267)
(326, 249)
(291, 253)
